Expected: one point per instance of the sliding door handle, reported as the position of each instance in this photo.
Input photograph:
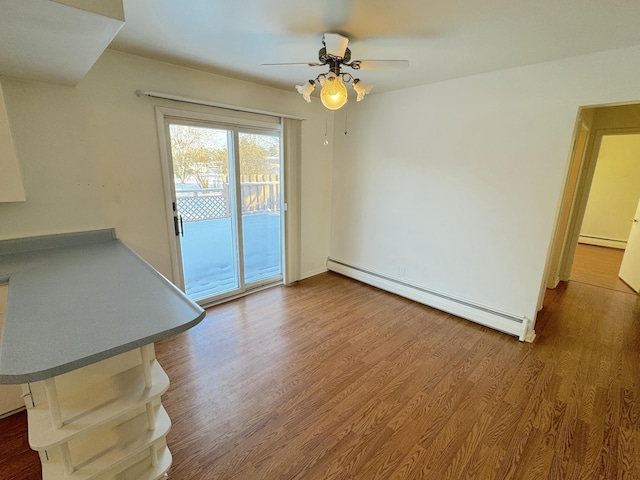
(176, 226)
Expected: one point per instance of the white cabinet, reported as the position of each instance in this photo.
(11, 187)
(10, 395)
(102, 421)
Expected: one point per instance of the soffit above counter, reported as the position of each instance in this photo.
(56, 41)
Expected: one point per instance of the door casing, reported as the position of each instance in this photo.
(164, 115)
(567, 231)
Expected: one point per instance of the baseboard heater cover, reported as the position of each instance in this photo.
(602, 241)
(504, 322)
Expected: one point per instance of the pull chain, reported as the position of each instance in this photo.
(346, 118)
(326, 121)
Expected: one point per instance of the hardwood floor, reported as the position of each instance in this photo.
(599, 266)
(333, 379)
(17, 460)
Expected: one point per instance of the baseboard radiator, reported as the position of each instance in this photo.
(518, 326)
(603, 241)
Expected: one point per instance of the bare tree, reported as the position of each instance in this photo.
(184, 140)
(207, 163)
(194, 156)
(257, 153)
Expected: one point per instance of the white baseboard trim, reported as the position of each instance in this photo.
(313, 273)
(11, 412)
(603, 242)
(554, 283)
(518, 326)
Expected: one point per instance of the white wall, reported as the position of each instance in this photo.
(90, 155)
(459, 181)
(614, 192)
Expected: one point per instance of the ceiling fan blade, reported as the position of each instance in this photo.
(378, 64)
(310, 64)
(335, 44)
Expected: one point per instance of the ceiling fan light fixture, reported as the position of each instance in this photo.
(335, 54)
(334, 92)
(361, 88)
(306, 90)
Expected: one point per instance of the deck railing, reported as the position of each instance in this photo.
(259, 194)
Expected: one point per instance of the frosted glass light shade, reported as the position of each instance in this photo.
(306, 90)
(361, 89)
(334, 92)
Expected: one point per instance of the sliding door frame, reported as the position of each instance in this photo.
(164, 116)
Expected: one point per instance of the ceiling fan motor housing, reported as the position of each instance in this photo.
(325, 58)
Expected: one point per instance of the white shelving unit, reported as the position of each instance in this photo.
(102, 421)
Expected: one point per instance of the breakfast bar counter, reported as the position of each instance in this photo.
(82, 314)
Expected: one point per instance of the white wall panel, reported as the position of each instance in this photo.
(454, 186)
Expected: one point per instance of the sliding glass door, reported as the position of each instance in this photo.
(259, 156)
(226, 206)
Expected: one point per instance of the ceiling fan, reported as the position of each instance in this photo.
(335, 54)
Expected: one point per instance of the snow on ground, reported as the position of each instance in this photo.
(208, 253)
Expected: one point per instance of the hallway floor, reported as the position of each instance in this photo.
(599, 266)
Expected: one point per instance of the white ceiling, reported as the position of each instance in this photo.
(442, 39)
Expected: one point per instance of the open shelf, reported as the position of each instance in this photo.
(85, 409)
(109, 449)
(144, 470)
(103, 421)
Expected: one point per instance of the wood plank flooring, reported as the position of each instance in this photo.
(333, 379)
(599, 266)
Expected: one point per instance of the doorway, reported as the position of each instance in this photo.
(610, 210)
(224, 184)
(596, 128)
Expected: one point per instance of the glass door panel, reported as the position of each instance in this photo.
(205, 209)
(259, 161)
(226, 207)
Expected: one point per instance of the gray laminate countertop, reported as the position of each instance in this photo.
(75, 299)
